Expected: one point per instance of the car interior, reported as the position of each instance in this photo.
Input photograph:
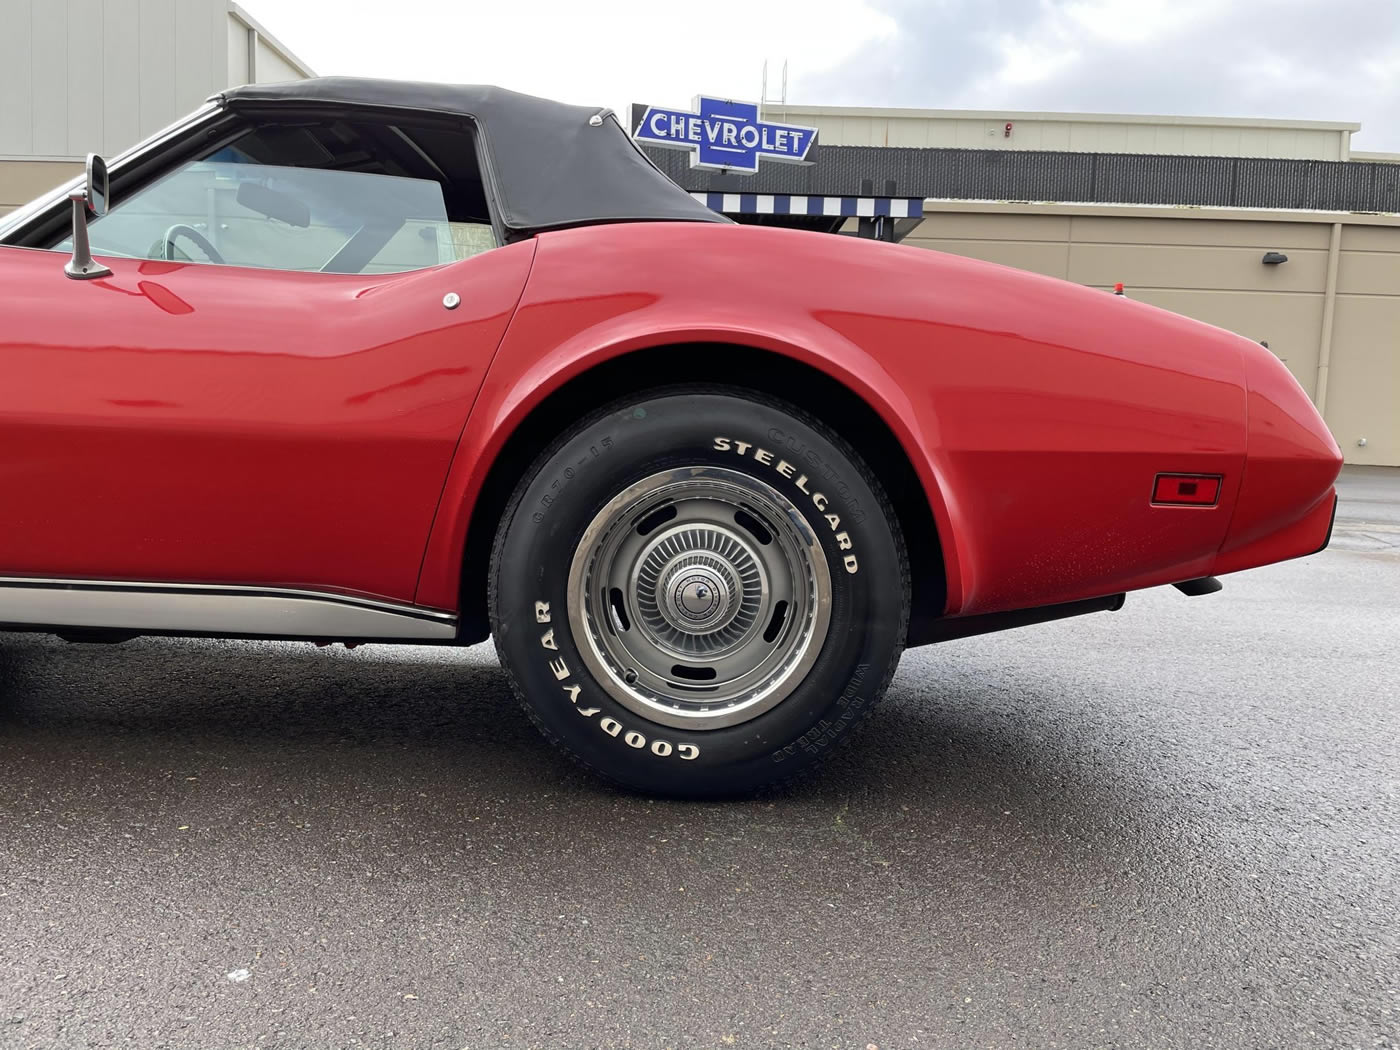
(324, 195)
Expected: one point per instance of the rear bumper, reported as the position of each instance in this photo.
(1307, 535)
(1287, 497)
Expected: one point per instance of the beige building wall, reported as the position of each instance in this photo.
(1206, 264)
(23, 180)
(1076, 132)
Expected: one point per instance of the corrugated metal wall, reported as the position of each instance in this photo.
(99, 75)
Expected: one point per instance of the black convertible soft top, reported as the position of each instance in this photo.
(554, 165)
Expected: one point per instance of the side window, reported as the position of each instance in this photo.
(334, 197)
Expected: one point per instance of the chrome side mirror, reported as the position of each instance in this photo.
(91, 197)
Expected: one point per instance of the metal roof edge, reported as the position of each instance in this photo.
(1160, 211)
(799, 109)
(238, 12)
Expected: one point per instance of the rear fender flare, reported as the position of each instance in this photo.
(518, 382)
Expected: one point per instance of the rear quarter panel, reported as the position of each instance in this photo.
(1035, 412)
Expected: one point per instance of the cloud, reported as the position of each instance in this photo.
(1268, 58)
(613, 54)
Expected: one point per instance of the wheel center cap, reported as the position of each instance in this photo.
(699, 595)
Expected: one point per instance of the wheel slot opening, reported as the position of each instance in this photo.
(694, 674)
(759, 531)
(775, 624)
(656, 519)
(619, 611)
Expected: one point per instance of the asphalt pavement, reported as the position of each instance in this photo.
(1172, 826)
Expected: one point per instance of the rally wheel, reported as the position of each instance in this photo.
(699, 591)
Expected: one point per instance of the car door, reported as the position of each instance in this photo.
(270, 394)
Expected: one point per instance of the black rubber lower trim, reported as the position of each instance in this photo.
(1331, 522)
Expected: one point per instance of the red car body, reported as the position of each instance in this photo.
(174, 428)
(194, 423)
(702, 482)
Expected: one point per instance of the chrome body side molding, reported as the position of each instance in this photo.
(186, 608)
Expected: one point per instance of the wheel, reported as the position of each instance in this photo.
(698, 591)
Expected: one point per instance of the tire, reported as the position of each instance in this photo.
(699, 591)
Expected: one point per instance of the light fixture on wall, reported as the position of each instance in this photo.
(1274, 258)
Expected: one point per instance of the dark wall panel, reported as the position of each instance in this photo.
(1035, 175)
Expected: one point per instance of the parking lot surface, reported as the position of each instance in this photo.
(1177, 825)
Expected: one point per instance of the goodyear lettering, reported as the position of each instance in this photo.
(631, 737)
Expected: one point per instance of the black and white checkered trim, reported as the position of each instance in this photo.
(797, 204)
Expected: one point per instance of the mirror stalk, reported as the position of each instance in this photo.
(82, 267)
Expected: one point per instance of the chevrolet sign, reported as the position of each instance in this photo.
(725, 135)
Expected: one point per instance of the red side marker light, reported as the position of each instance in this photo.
(1186, 490)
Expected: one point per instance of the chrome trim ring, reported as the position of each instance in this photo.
(699, 597)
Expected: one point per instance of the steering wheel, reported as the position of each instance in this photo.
(180, 229)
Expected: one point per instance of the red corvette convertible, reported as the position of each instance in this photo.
(366, 361)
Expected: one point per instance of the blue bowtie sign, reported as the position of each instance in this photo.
(724, 134)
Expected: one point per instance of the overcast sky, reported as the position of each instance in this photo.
(1310, 59)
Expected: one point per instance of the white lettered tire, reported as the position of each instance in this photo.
(699, 591)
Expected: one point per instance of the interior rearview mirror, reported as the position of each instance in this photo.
(92, 195)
